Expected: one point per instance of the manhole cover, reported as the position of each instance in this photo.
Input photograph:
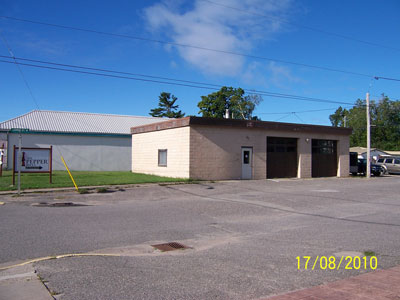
(57, 204)
(170, 246)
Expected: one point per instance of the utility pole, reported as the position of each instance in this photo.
(344, 120)
(368, 139)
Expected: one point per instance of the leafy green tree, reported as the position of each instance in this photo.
(357, 119)
(240, 106)
(338, 118)
(385, 123)
(166, 107)
(386, 129)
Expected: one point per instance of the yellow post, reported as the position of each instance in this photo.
(70, 175)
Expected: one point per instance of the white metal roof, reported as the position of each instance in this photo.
(76, 122)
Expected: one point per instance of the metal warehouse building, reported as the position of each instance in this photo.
(88, 142)
(215, 149)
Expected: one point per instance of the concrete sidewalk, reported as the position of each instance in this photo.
(382, 284)
(22, 283)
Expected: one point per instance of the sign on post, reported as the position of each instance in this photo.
(34, 160)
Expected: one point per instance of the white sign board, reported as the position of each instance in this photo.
(33, 160)
(3, 153)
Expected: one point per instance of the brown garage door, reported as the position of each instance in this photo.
(324, 158)
(281, 157)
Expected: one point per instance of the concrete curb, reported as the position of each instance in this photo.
(91, 187)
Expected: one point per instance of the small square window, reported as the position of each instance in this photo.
(162, 157)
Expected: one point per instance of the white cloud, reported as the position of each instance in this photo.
(254, 74)
(207, 25)
(269, 74)
(281, 75)
(42, 45)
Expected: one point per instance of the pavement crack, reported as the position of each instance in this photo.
(51, 293)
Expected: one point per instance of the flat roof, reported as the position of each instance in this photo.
(249, 124)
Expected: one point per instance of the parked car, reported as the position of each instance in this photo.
(391, 165)
(376, 170)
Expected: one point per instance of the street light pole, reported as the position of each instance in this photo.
(368, 139)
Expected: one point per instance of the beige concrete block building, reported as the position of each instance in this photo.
(217, 149)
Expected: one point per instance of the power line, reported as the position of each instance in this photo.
(178, 82)
(290, 114)
(282, 117)
(19, 69)
(386, 78)
(109, 71)
(301, 120)
(108, 75)
(296, 112)
(303, 26)
(189, 46)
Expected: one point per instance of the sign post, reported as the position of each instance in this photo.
(20, 131)
(13, 165)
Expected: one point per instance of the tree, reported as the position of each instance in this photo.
(357, 120)
(239, 105)
(337, 119)
(386, 130)
(166, 107)
(385, 123)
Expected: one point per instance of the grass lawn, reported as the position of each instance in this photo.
(82, 178)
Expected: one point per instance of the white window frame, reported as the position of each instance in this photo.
(160, 152)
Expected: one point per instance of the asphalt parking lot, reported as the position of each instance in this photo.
(244, 237)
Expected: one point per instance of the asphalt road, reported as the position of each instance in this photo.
(245, 236)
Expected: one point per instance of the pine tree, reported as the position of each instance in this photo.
(166, 107)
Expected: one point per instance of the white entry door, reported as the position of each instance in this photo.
(247, 157)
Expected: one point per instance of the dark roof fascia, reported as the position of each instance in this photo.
(216, 122)
(73, 133)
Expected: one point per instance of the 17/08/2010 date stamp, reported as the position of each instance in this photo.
(336, 263)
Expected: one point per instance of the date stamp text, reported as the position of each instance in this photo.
(337, 263)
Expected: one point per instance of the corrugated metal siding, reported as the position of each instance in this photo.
(57, 121)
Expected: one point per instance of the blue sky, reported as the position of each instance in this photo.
(277, 29)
